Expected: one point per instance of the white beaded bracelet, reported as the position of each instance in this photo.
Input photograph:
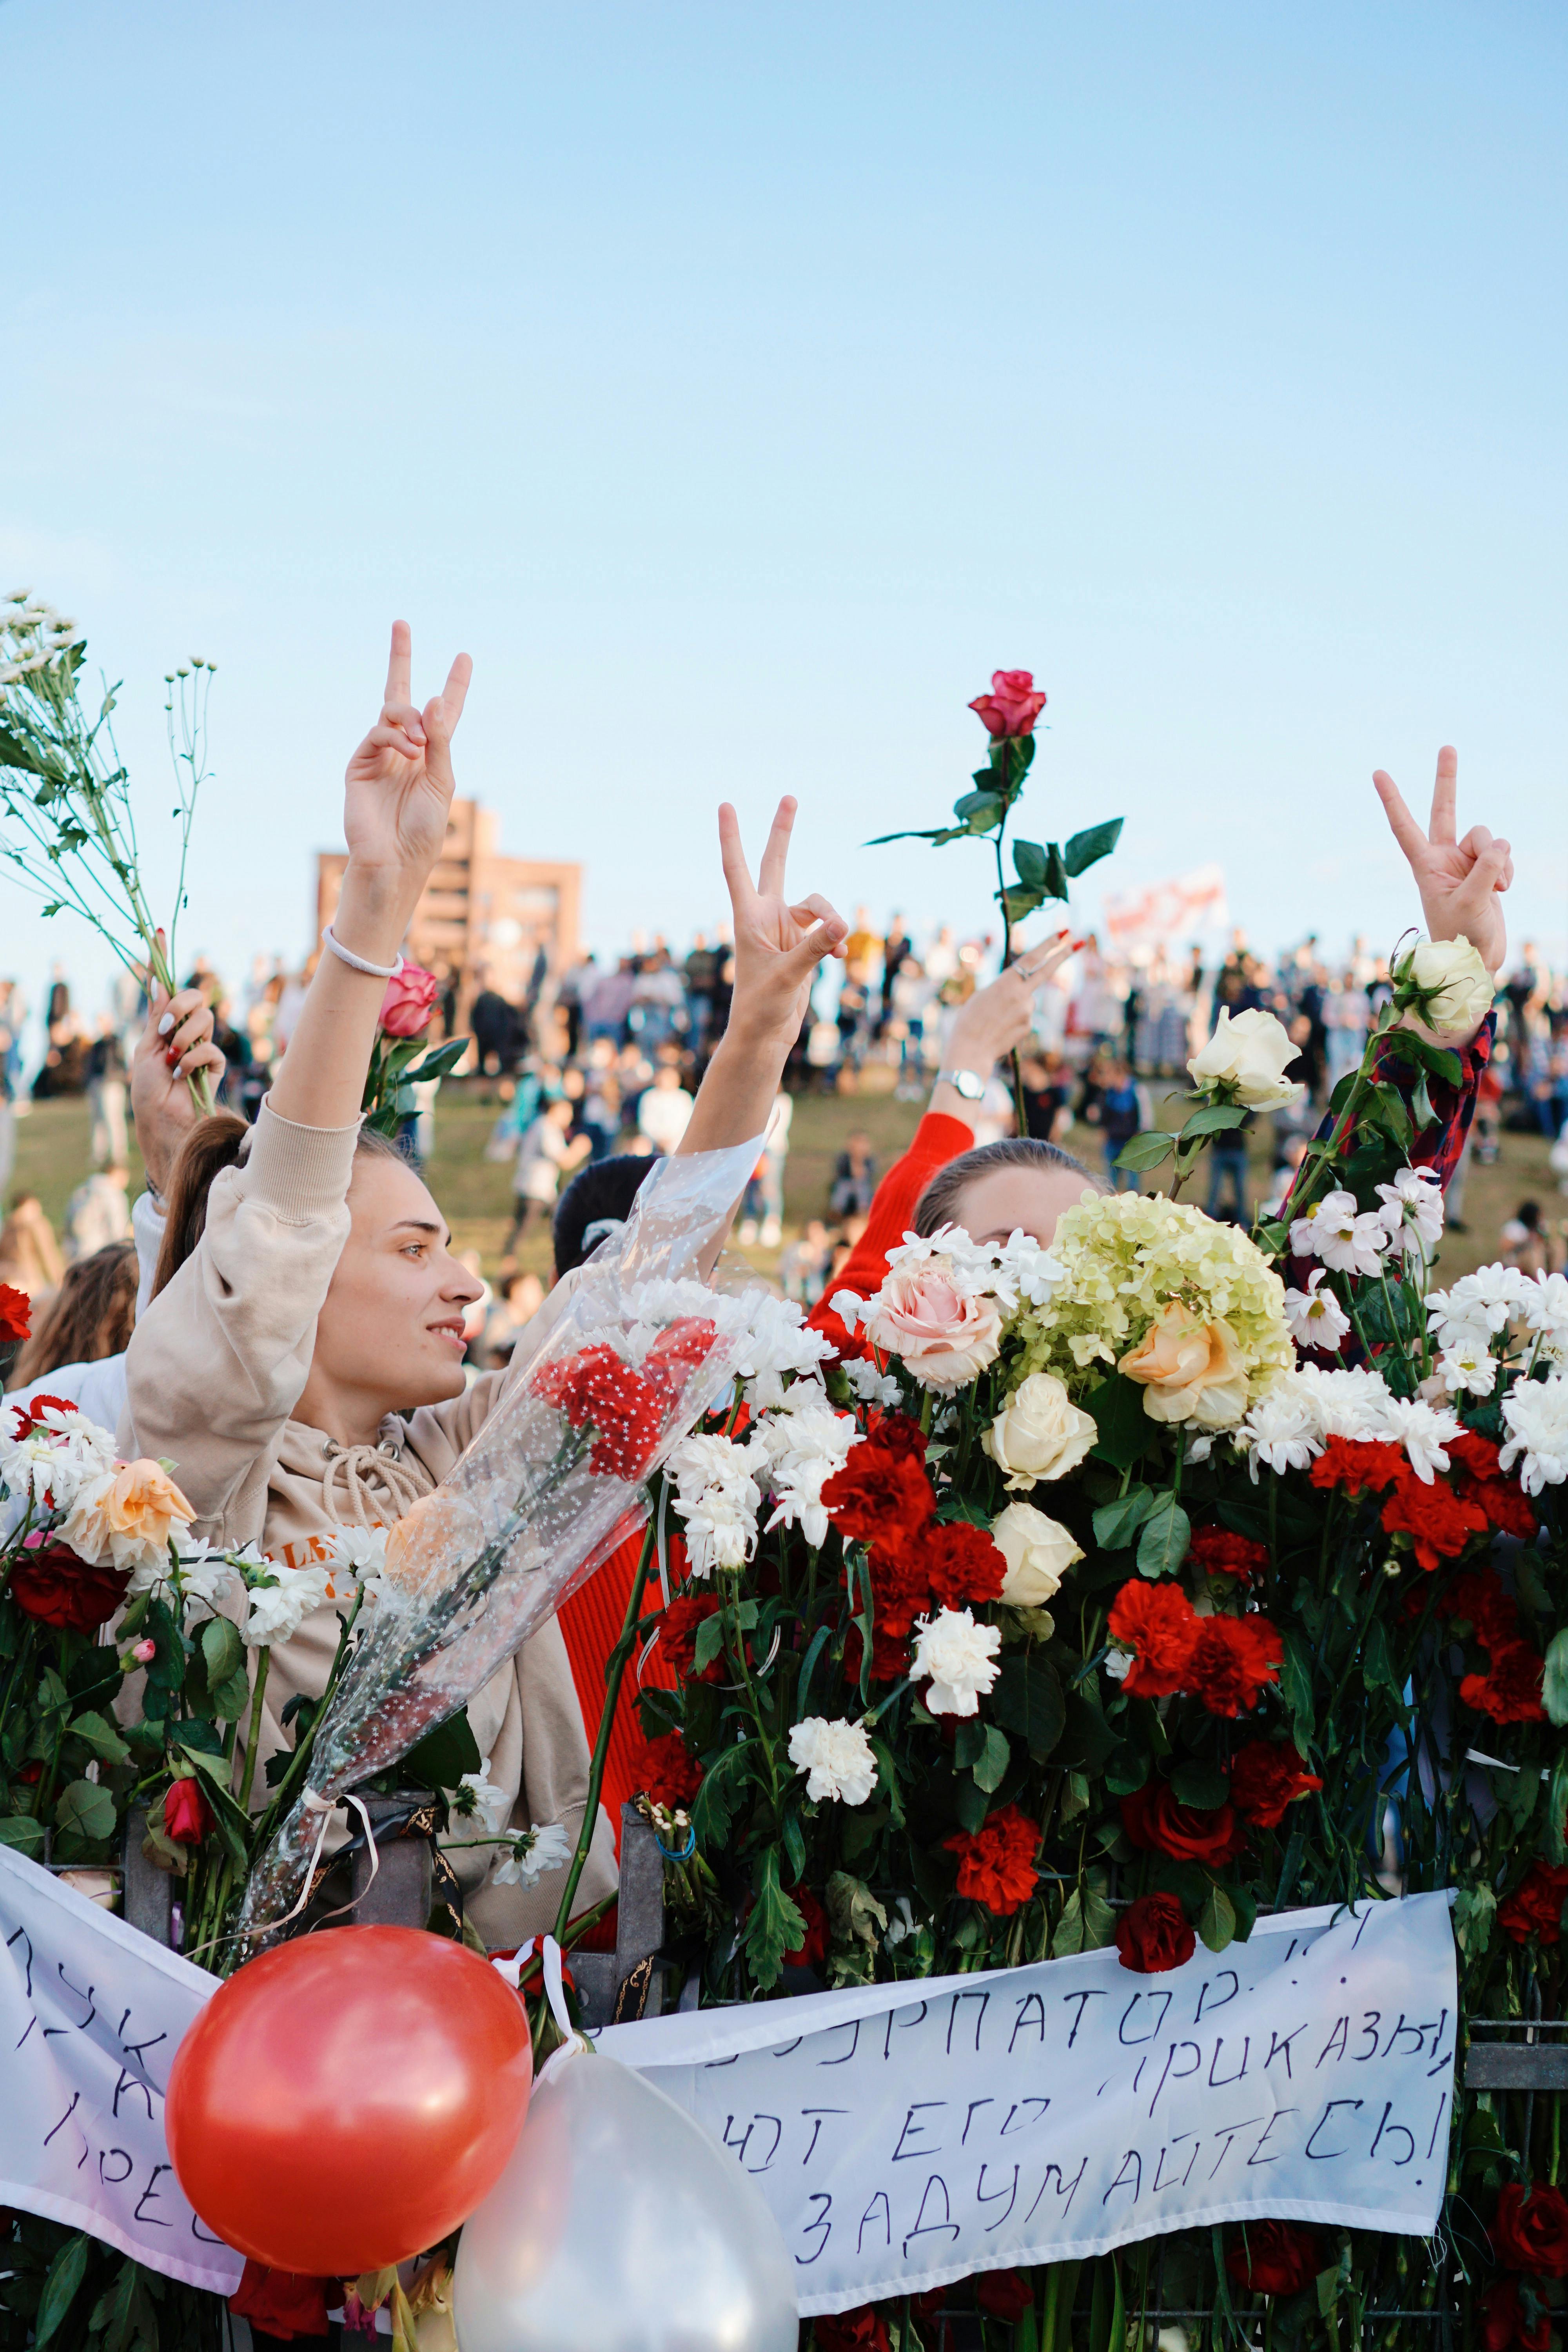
(357, 963)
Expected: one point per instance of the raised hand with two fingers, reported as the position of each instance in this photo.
(399, 784)
(779, 943)
(1462, 882)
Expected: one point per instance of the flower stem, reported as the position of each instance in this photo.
(253, 1739)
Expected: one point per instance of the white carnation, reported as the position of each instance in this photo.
(870, 1385)
(796, 1450)
(718, 1497)
(960, 1659)
(779, 1341)
(1536, 1415)
(836, 1758)
(277, 1610)
(1284, 1429)
(1315, 1316)
(51, 1467)
(1351, 1401)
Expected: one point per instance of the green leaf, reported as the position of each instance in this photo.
(1055, 873)
(439, 1064)
(1086, 1925)
(1019, 905)
(233, 1823)
(222, 1650)
(1201, 1783)
(86, 1810)
(1554, 1685)
(1147, 1149)
(100, 1736)
(21, 1832)
(980, 812)
(1214, 1119)
(230, 1699)
(441, 1758)
(991, 1766)
(1028, 1699)
(1116, 1523)
(1162, 1546)
(1087, 848)
(1475, 1908)
(794, 1846)
(67, 2272)
(1377, 1667)
(1217, 1920)
(1390, 1113)
(1030, 860)
(1126, 1431)
(776, 1924)
(720, 1792)
(709, 1643)
(1296, 1687)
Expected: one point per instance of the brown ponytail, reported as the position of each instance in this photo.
(91, 1316)
(212, 1144)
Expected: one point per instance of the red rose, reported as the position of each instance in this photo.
(960, 1564)
(997, 1864)
(281, 2303)
(1156, 1820)
(187, 1816)
(598, 1389)
(15, 1313)
(1160, 1625)
(31, 1416)
(51, 1584)
(1223, 1549)
(1012, 704)
(1504, 2324)
(1530, 2231)
(1535, 1906)
(1005, 2294)
(1152, 1934)
(860, 2330)
(813, 1946)
(1265, 1777)
(677, 1634)
(1441, 1521)
(1273, 2258)
(881, 1497)
(409, 1002)
(1357, 1463)
(666, 1773)
(1510, 1691)
(1233, 1659)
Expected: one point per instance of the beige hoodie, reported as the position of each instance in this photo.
(215, 1368)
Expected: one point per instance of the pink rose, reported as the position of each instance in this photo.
(946, 1337)
(409, 1002)
(1012, 704)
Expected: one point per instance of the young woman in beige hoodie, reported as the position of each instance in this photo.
(301, 1361)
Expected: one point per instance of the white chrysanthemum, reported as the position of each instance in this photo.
(1348, 1240)
(836, 1758)
(779, 1341)
(1351, 1401)
(1423, 1430)
(278, 1608)
(1031, 1270)
(870, 1385)
(1545, 1310)
(532, 1856)
(1284, 1429)
(1536, 1415)
(795, 1449)
(52, 1465)
(959, 1657)
(1412, 1210)
(968, 1264)
(1315, 1316)
(718, 1497)
(486, 1798)
(849, 1307)
(1468, 1367)
(1482, 1301)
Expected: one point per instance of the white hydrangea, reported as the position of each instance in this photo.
(532, 1855)
(795, 1450)
(1315, 1316)
(836, 1758)
(1284, 1429)
(278, 1609)
(1032, 1271)
(1348, 1240)
(1412, 1211)
(1536, 1415)
(718, 1497)
(958, 1657)
(779, 1341)
(870, 1385)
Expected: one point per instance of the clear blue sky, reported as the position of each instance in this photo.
(742, 386)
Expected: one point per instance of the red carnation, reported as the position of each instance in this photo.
(1222, 1550)
(666, 1773)
(15, 1313)
(1478, 1597)
(187, 1816)
(1160, 1625)
(597, 1389)
(1535, 1906)
(31, 1416)
(1441, 1521)
(1510, 1690)
(677, 1634)
(1479, 1480)
(1504, 2325)
(898, 1433)
(1158, 1822)
(1005, 2294)
(682, 1346)
(900, 1590)
(1357, 1463)
(51, 1584)
(997, 1864)
(1273, 2258)
(281, 2303)
(880, 1497)
(890, 1653)
(813, 1946)
(860, 2330)
(1152, 1934)
(1530, 2231)
(1265, 1777)
(1012, 704)
(960, 1564)
(1233, 1659)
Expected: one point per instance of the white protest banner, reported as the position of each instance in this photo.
(1166, 910)
(1047, 2112)
(92, 2013)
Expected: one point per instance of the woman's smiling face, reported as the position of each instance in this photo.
(390, 1333)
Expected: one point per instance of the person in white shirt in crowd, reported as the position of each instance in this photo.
(547, 1153)
(665, 1110)
(98, 1212)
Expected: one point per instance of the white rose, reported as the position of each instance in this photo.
(1038, 1433)
(1462, 989)
(1249, 1054)
(1038, 1553)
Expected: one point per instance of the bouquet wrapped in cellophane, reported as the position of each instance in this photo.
(640, 1348)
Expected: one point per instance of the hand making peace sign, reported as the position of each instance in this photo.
(399, 784)
(1460, 882)
(778, 946)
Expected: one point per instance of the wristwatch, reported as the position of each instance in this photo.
(968, 1083)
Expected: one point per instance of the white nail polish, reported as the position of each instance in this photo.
(166, 1024)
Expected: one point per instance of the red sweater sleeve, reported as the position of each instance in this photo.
(937, 1139)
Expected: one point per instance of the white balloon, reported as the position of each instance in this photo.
(619, 2226)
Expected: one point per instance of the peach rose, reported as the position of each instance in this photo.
(1190, 1370)
(945, 1337)
(129, 1519)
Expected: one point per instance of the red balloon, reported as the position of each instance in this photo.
(347, 2100)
